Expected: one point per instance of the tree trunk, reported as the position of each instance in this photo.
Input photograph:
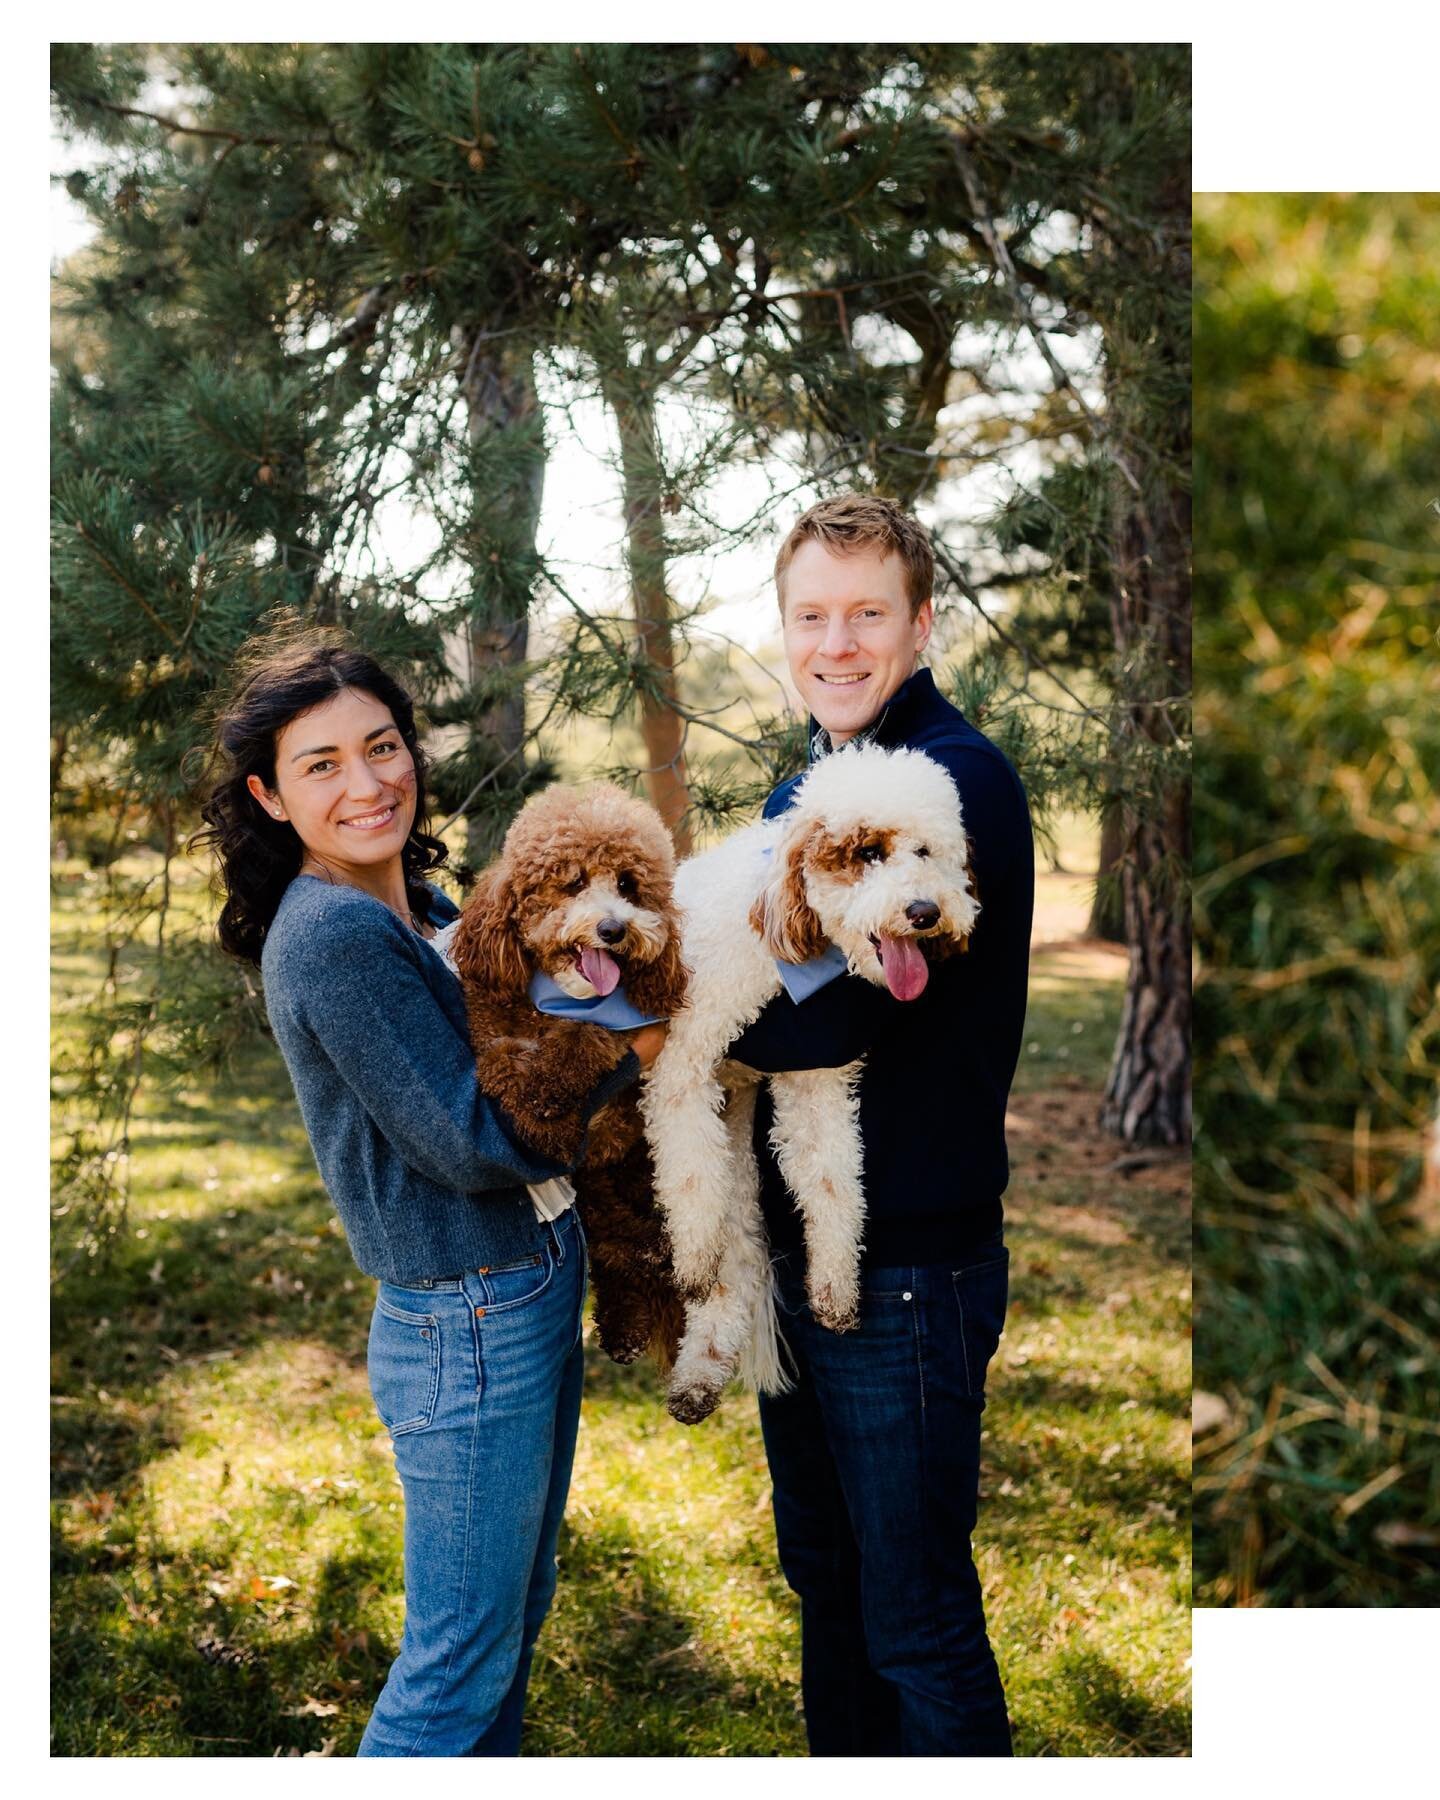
(642, 473)
(1107, 910)
(1147, 1095)
(500, 397)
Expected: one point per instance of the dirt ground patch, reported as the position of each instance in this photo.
(1055, 1137)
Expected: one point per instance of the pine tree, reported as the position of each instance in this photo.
(334, 282)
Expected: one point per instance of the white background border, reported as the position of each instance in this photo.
(1317, 98)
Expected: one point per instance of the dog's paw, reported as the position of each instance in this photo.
(625, 1350)
(690, 1404)
(837, 1309)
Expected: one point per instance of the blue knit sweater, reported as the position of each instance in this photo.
(426, 1173)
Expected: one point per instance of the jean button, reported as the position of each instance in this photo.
(905, 1295)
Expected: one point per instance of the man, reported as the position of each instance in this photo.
(875, 1455)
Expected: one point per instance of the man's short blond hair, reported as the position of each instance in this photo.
(850, 522)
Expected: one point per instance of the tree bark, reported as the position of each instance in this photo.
(1107, 910)
(1147, 1095)
(500, 396)
(642, 473)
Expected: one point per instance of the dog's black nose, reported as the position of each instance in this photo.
(610, 931)
(922, 914)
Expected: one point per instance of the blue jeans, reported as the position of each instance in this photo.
(478, 1381)
(875, 1459)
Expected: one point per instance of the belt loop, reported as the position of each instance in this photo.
(555, 1240)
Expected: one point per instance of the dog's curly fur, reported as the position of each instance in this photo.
(574, 859)
(872, 857)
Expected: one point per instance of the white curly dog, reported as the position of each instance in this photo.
(871, 858)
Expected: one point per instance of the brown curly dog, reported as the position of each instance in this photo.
(582, 892)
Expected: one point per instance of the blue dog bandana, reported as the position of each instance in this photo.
(611, 1010)
(801, 980)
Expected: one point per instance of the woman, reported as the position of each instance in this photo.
(319, 822)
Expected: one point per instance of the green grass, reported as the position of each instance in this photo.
(1317, 898)
(226, 1517)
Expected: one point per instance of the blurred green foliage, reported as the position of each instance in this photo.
(1317, 355)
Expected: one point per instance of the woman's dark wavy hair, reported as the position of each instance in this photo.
(259, 855)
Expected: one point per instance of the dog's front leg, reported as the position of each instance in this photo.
(682, 1103)
(816, 1140)
(541, 1071)
(734, 1326)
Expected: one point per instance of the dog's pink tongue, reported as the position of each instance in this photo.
(906, 970)
(600, 969)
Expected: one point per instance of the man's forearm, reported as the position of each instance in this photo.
(829, 1029)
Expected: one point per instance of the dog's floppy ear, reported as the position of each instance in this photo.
(782, 917)
(487, 947)
(943, 945)
(658, 987)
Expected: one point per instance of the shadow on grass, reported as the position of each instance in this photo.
(95, 1446)
(188, 1292)
(180, 1673)
(625, 1669)
(1101, 1698)
(1033, 1392)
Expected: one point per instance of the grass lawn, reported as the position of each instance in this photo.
(226, 1516)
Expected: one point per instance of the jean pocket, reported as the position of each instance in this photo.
(404, 1363)
(981, 1293)
(888, 1286)
(504, 1286)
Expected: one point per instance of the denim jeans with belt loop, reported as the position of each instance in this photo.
(875, 1459)
(477, 1377)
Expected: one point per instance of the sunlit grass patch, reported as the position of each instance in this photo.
(227, 1517)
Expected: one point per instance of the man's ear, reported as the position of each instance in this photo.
(270, 802)
(782, 917)
(924, 625)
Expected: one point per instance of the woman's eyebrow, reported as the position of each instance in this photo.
(330, 749)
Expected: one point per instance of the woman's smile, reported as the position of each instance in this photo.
(371, 821)
(345, 782)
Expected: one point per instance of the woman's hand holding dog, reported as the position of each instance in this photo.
(648, 1042)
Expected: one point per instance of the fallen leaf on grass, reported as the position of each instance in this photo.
(1208, 1412)
(312, 1708)
(266, 1587)
(1396, 1534)
(327, 1748)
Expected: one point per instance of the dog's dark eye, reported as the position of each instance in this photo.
(627, 885)
(924, 850)
(574, 886)
(871, 853)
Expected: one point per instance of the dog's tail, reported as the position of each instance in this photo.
(766, 1363)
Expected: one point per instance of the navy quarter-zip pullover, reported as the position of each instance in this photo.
(937, 1069)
